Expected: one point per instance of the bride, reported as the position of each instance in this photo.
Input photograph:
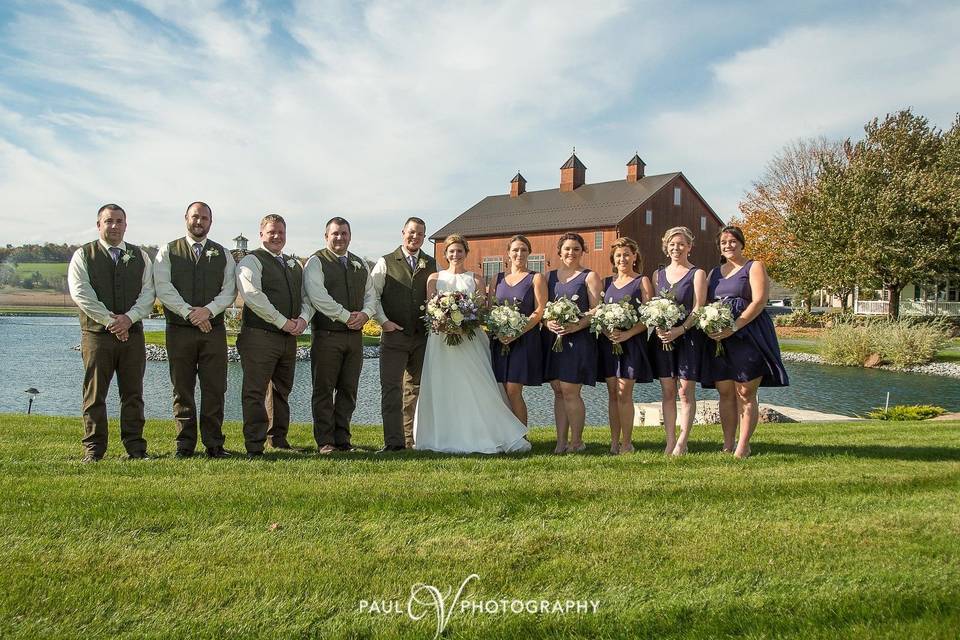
(462, 408)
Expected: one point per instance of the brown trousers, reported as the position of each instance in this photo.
(266, 357)
(336, 358)
(103, 355)
(401, 362)
(192, 353)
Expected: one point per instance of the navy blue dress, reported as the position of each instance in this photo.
(577, 363)
(633, 363)
(753, 351)
(523, 364)
(683, 361)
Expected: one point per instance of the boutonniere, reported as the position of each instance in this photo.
(291, 263)
(127, 255)
(212, 253)
(357, 265)
(421, 264)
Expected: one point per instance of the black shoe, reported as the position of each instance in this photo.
(218, 452)
(283, 444)
(253, 455)
(182, 454)
(91, 458)
(344, 447)
(140, 455)
(391, 449)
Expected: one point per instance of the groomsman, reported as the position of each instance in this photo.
(275, 311)
(339, 287)
(195, 279)
(112, 284)
(400, 285)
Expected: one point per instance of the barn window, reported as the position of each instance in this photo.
(676, 196)
(535, 262)
(598, 240)
(649, 216)
(492, 265)
(703, 223)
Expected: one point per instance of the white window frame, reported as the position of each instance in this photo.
(536, 262)
(487, 262)
(598, 239)
(703, 223)
(676, 196)
(649, 217)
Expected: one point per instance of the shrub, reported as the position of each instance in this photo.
(903, 412)
(901, 343)
(232, 319)
(799, 318)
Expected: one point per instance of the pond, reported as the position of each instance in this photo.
(37, 352)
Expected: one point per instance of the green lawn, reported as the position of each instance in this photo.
(46, 269)
(950, 353)
(160, 338)
(38, 311)
(843, 530)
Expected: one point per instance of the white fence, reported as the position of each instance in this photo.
(909, 308)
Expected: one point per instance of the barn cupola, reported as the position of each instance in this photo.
(518, 185)
(573, 173)
(635, 168)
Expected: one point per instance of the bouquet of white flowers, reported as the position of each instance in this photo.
(454, 314)
(505, 321)
(714, 318)
(663, 312)
(563, 310)
(614, 316)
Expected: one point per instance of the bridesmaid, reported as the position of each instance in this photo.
(523, 364)
(576, 365)
(751, 356)
(623, 370)
(679, 368)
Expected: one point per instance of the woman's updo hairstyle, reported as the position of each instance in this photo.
(571, 236)
(455, 238)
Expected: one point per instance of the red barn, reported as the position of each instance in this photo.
(641, 207)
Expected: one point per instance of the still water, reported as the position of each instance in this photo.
(37, 352)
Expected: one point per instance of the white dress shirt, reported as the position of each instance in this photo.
(172, 299)
(78, 279)
(323, 302)
(249, 284)
(378, 277)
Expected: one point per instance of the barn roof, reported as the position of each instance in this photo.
(600, 204)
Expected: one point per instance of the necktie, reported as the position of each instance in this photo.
(115, 254)
(197, 248)
(281, 261)
(343, 261)
(412, 262)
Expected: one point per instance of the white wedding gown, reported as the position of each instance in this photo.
(462, 408)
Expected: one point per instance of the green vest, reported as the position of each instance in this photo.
(117, 285)
(346, 286)
(281, 285)
(197, 282)
(405, 291)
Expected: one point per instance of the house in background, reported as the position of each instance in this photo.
(938, 299)
(640, 207)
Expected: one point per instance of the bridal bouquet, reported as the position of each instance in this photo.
(453, 313)
(614, 316)
(505, 321)
(563, 310)
(663, 312)
(714, 318)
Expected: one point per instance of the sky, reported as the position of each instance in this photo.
(376, 111)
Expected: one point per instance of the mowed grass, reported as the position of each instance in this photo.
(950, 353)
(848, 530)
(46, 269)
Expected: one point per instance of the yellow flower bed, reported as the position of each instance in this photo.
(371, 328)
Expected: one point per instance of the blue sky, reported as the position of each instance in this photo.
(380, 110)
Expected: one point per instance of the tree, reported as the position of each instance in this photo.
(781, 195)
(897, 201)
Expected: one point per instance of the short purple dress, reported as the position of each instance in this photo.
(753, 351)
(577, 363)
(683, 361)
(633, 363)
(523, 364)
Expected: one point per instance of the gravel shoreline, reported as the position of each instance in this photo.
(948, 369)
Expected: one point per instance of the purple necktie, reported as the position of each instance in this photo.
(115, 254)
(197, 248)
